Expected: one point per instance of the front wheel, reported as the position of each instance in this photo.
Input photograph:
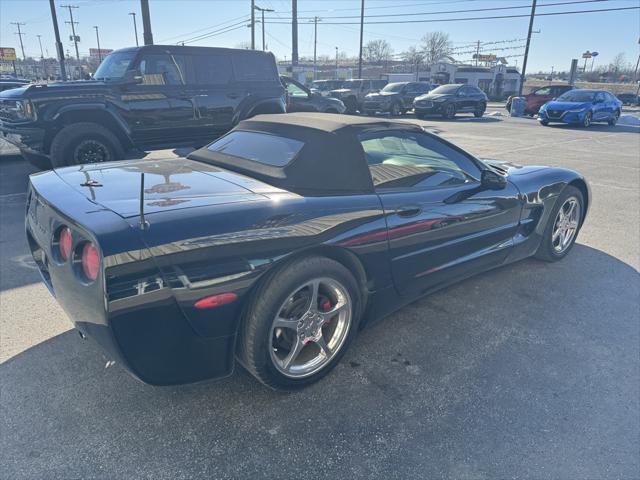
(85, 142)
(395, 110)
(544, 123)
(614, 119)
(586, 121)
(449, 111)
(352, 105)
(563, 225)
(479, 111)
(300, 323)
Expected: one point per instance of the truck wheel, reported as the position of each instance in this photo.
(395, 110)
(39, 161)
(351, 104)
(299, 323)
(84, 142)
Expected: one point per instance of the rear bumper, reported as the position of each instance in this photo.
(26, 138)
(130, 311)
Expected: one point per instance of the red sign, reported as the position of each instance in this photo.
(103, 52)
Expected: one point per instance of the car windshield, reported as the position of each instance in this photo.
(577, 96)
(393, 87)
(445, 89)
(114, 66)
(352, 84)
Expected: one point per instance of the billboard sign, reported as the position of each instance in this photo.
(7, 54)
(103, 52)
(485, 58)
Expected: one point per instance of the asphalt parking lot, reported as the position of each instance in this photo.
(529, 371)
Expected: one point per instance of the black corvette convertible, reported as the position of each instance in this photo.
(277, 242)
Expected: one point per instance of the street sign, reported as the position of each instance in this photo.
(587, 54)
(485, 57)
(77, 38)
(594, 54)
(7, 54)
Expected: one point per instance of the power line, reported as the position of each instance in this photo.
(495, 17)
(228, 29)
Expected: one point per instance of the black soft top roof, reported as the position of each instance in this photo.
(330, 162)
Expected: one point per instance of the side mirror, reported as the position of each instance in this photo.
(492, 180)
(132, 77)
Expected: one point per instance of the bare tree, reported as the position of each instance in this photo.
(618, 63)
(413, 55)
(244, 45)
(377, 51)
(436, 46)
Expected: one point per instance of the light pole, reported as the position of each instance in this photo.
(98, 40)
(135, 27)
(315, 43)
(336, 63)
(262, 10)
(73, 27)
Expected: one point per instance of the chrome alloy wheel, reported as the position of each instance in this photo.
(565, 225)
(310, 327)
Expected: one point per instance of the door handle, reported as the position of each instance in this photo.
(408, 211)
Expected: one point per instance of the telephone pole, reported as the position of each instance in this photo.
(147, 34)
(253, 24)
(98, 40)
(361, 36)
(40, 42)
(56, 31)
(262, 10)
(73, 28)
(294, 33)
(20, 34)
(315, 43)
(135, 27)
(526, 48)
(477, 52)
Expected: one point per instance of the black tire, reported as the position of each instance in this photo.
(449, 111)
(586, 122)
(546, 250)
(352, 105)
(395, 110)
(84, 142)
(39, 161)
(421, 116)
(370, 113)
(330, 110)
(479, 111)
(612, 121)
(544, 123)
(254, 338)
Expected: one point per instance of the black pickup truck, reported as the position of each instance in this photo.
(146, 97)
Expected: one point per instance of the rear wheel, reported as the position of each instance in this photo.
(449, 111)
(479, 111)
(614, 119)
(81, 143)
(563, 225)
(300, 323)
(586, 121)
(421, 116)
(351, 104)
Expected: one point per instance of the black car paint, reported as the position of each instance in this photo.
(433, 102)
(141, 308)
(141, 115)
(382, 101)
(313, 102)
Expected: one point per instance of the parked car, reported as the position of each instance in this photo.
(629, 98)
(353, 92)
(394, 98)
(540, 96)
(448, 100)
(276, 243)
(301, 99)
(150, 97)
(324, 87)
(583, 107)
(12, 83)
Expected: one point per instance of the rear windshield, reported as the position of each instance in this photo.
(258, 147)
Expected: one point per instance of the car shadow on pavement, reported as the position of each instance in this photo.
(597, 128)
(507, 365)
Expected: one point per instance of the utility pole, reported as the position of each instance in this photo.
(135, 27)
(98, 40)
(361, 37)
(294, 33)
(42, 60)
(73, 27)
(59, 50)
(20, 34)
(526, 48)
(262, 10)
(315, 43)
(477, 52)
(336, 63)
(253, 24)
(40, 42)
(147, 34)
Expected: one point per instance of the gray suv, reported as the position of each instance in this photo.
(354, 91)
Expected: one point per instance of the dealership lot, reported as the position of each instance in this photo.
(527, 371)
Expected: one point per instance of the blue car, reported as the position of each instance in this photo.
(582, 107)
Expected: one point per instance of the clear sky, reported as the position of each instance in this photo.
(561, 38)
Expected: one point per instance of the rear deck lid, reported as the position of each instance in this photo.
(169, 184)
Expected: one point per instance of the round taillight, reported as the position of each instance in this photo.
(90, 261)
(65, 241)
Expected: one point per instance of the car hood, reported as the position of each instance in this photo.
(381, 95)
(33, 90)
(169, 184)
(432, 97)
(513, 169)
(555, 105)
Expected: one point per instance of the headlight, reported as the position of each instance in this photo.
(24, 110)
